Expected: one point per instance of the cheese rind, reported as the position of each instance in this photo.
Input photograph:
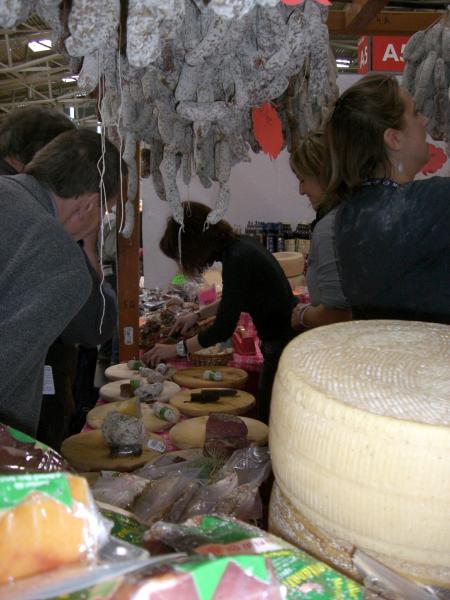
(367, 438)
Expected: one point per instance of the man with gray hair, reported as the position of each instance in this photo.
(44, 277)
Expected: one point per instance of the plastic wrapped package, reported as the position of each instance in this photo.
(118, 489)
(300, 576)
(209, 485)
(158, 497)
(20, 453)
(193, 466)
(252, 465)
(196, 578)
(207, 497)
(47, 520)
(243, 503)
(236, 491)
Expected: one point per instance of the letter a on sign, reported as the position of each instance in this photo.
(390, 53)
(387, 53)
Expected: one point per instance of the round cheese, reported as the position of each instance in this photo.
(292, 263)
(360, 439)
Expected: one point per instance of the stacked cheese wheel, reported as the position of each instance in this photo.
(360, 441)
(293, 265)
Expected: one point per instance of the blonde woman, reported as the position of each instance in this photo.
(328, 303)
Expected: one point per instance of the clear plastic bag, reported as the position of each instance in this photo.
(47, 520)
(252, 465)
(192, 465)
(224, 578)
(299, 574)
(20, 453)
(158, 498)
(118, 489)
(207, 497)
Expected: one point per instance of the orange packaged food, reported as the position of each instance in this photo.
(46, 520)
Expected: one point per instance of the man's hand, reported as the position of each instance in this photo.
(184, 323)
(160, 353)
(83, 224)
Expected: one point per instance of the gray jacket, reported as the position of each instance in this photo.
(44, 282)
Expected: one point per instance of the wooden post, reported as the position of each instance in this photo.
(128, 280)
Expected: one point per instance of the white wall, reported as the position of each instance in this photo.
(261, 190)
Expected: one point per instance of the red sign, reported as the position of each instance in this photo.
(363, 55)
(387, 53)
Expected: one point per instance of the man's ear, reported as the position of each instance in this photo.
(393, 138)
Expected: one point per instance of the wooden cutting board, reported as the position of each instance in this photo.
(120, 371)
(193, 377)
(191, 433)
(97, 415)
(110, 392)
(88, 451)
(232, 405)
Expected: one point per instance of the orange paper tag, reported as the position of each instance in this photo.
(267, 129)
(437, 159)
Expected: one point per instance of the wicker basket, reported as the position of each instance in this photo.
(211, 360)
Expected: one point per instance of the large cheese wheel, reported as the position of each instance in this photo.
(360, 439)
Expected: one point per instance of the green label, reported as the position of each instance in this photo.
(304, 576)
(224, 532)
(134, 365)
(208, 574)
(179, 279)
(15, 488)
(21, 437)
(126, 528)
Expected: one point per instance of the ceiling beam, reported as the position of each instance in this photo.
(57, 100)
(23, 81)
(360, 13)
(30, 63)
(385, 23)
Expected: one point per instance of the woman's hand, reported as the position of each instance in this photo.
(296, 316)
(160, 353)
(307, 316)
(184, 323)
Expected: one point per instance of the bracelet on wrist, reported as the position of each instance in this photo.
(301, 315)
(181, 348)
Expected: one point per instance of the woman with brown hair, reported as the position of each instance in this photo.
(392, 233)
(328, 303)
(253, 282)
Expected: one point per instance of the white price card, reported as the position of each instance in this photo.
(48, 387)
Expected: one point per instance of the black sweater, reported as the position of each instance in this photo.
(393, 244)
(253, 282)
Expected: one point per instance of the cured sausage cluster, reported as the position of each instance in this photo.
(182, 76)
(427, 75)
